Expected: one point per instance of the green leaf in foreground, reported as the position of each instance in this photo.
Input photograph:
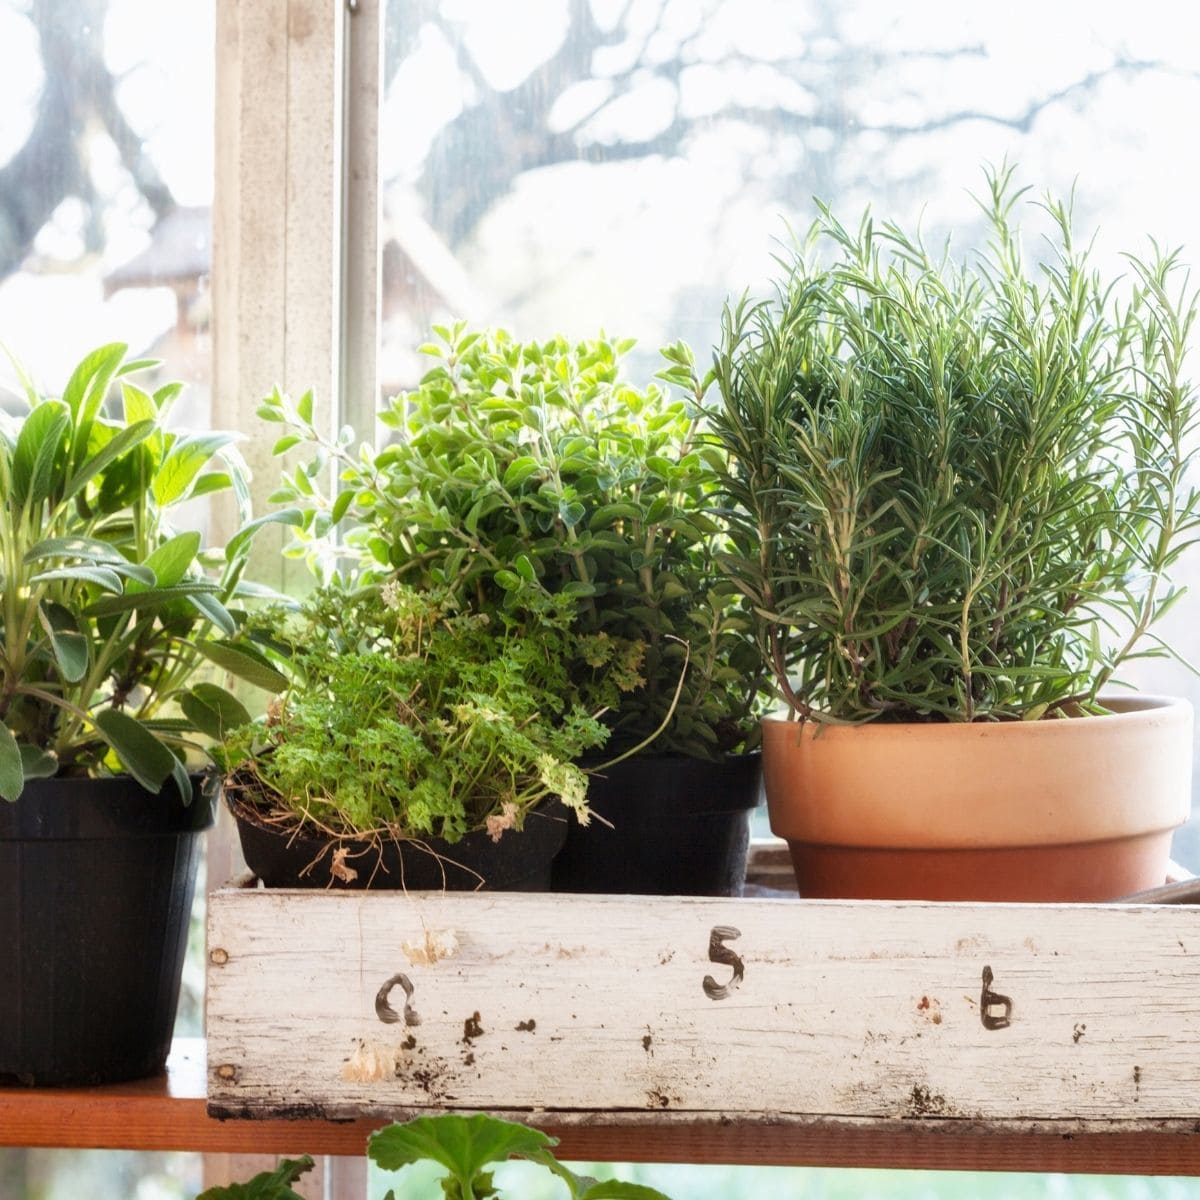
(463, 1145)
(269, 1185)
(583, 1187)
(616, 1189)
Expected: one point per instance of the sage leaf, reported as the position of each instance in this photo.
(39, 453)
(243, 663)
(103, 577)
(140, 752)
(78, 548)
(240, 542)
(12, 771)
(185, 460)
(149, 599)
(120, 444)
(213, 710)
(38, 763)
(170, 561)
(72, 651)
(211, 481)
(209, 607)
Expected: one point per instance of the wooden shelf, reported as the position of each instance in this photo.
(169, 1113)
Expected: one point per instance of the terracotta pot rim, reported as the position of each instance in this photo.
(1130, 708)
(995, 784)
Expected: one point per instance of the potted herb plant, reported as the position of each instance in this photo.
(106, 615)
(413, 748)
(963, 486)
(537, 486)
(462, 1146)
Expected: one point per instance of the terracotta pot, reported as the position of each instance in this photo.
(1077, 809)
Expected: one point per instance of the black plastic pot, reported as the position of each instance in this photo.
(96, 879)
(680, 827)
(518, 862)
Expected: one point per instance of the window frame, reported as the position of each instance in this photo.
(296, 284)
(295, 279)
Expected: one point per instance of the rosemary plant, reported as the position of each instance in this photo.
(962, 486)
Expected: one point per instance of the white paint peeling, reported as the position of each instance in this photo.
(850, 1011)
(436, 945)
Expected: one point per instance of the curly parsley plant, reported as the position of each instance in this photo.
(405, 719)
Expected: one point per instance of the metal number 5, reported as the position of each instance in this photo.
(718, 952)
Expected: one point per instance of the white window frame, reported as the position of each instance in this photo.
(295, 280)
(295, 214)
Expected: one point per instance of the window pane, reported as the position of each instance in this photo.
(631, 164)
(106, 170)
(69, 1174)
(106, 167)
(628, 164)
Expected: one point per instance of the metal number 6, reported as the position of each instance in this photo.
(990, 1001)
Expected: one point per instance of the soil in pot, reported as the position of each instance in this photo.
(283, 856)
(676, 826)
(96, 881)
(1077, 809)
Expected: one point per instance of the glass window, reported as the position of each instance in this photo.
(106, 175)
(106, 183)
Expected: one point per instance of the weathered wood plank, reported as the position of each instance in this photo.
(611, 1004)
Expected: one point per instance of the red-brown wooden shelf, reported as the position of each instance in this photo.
(169, 1113)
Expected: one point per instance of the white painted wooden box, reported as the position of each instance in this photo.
(996, 1016)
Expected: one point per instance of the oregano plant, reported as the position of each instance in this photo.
(534, 483)
(403, 718)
